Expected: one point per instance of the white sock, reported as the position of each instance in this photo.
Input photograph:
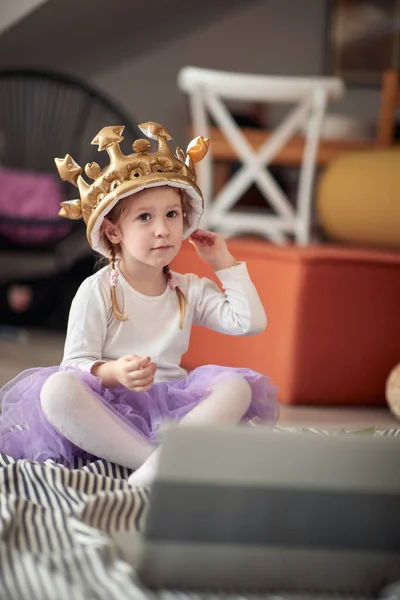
(144, 475)
(225, 405)
(76, 413)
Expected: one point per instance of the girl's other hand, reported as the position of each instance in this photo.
(135, 373)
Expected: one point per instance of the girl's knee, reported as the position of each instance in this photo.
(240, 391)
(241, 385)
(243, 390)
(60, 390)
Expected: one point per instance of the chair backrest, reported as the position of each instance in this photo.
(207, 90)
(44, 115)
(390, 104)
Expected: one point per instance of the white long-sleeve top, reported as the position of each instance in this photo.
(152, 328)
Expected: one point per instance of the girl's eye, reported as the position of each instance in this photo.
(172, 214)
(144, 217)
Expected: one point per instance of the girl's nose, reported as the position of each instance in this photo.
(161, 228)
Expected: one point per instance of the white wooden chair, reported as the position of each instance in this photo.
(207, 90)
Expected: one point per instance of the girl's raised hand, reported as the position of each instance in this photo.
(212, 248)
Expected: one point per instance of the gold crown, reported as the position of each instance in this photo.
(122, 168)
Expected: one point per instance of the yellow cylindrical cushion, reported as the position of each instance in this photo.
(358, 199)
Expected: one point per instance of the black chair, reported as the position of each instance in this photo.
(44, 115)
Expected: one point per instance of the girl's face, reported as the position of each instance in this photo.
(151, 228)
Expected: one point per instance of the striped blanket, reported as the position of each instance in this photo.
(54, 530)
(56, 525)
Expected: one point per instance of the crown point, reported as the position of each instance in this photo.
(68, 169)
(108, 136)
(154, 130)
(198, 148)
(140, 145)
(71, 209)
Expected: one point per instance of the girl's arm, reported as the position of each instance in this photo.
(106, 370)
(87, 326)
(236, 311)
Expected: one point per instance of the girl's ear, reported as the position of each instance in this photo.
(110, 230)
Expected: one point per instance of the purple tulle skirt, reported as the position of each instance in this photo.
(26, 433)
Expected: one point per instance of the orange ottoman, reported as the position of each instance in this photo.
(333, 330)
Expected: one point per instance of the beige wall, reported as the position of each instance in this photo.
(274, 36)
(137, 60)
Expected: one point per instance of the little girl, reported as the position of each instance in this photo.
(129, 323)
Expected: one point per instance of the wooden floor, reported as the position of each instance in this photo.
(36, 349)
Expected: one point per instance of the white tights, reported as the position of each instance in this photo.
(75, 412)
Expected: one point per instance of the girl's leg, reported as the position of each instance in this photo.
(225, 405)
(76, 413)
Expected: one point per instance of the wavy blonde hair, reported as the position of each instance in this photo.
(115, 216)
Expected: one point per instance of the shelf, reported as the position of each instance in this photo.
(291, 154)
